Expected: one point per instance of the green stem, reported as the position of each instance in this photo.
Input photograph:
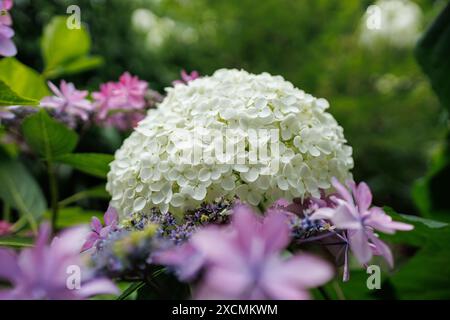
(324, 293)
(6, 212)
(73, 198)
(53, 194)
(338, 290)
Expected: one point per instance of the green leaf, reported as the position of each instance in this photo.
(10, 98)
(23, 80)
(96, 164)
(48, 137)
(16, 242)
(65, 50)
(97, 192)
(72, 216)
(432, 53)
(426, 275)
(130, 290)
(423, 232)
(19, 190)
(76, 66)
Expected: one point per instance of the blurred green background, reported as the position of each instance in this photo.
(379, 95)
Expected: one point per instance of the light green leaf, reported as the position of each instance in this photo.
(65, 50)
(48, 137)
(96, 164)
(23, 80)
(19, 190)
(10, 98)
(76, 66)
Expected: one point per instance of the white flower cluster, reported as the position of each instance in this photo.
(395, 23)
(148, 170)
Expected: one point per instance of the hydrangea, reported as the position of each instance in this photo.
(156, 167)
(68, 103)
(121, 104)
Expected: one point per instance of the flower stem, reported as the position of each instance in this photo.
(6, 212)
(324, 293)
(53, 194)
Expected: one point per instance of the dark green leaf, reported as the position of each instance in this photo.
(19, 190)
(427, 274)
(433, 51)
(96, 164)
(48, 137)
(423, 232)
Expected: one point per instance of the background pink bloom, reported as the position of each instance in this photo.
(68, 100)
(121, 104)
(7, 47)
(6, 4)
(187, 77)
(41, 272)
(5, 228)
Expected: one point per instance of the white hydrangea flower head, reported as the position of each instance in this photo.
(395, 23)
(149, 171)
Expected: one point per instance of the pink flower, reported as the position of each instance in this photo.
(244, 260)
(130, 92)
(7, 47)
(99, 232)
(121, 104)
(6, 5)
(353, 212)
(5, 228)
(186, 77)
(68, 100)
(42, 272)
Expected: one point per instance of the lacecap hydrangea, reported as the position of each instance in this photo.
(156, 166)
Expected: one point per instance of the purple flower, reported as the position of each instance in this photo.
(68, 101)
(99, 232)
(187, 77)
(5, 228)
(184, 259)
(7, 47)
(6, 115)
(121, 104)
(244, 260)
(43, 272)
(353, 212)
